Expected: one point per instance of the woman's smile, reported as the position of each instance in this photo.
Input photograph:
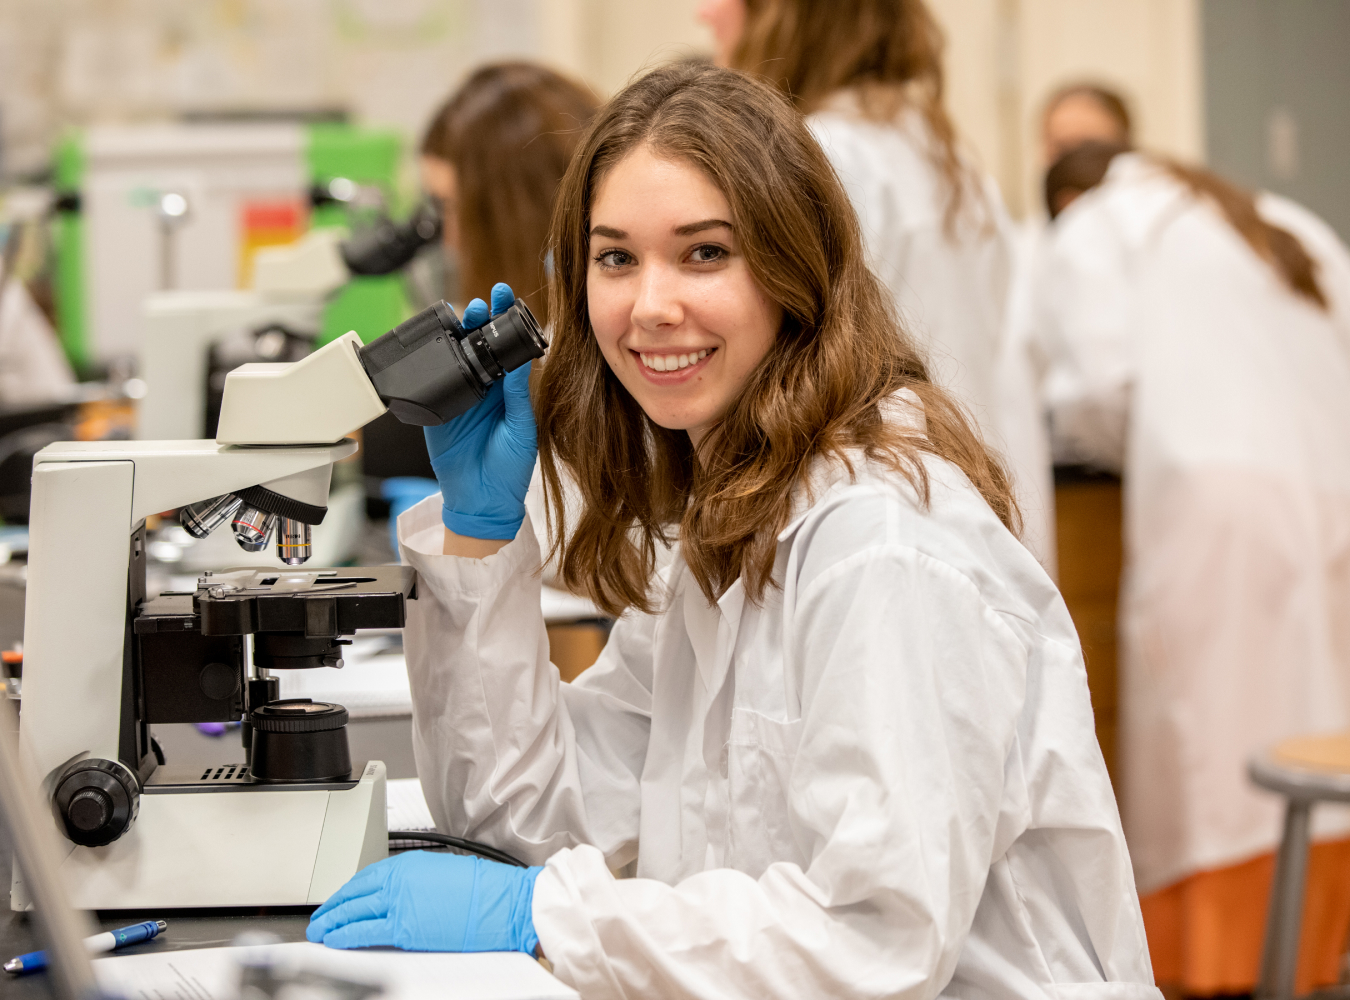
(666, 367)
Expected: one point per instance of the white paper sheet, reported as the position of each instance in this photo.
(406, 806)
(213, 973)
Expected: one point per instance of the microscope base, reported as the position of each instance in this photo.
(233, 846)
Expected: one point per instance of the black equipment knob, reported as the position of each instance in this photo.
(89, 810)
(300, 740)
(96, 801)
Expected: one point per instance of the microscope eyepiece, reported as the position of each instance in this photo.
(429, 369)
(390, 245)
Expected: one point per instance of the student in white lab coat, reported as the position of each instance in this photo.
(846, 737)
(1200, 340)
(33, 368)
(869, 75)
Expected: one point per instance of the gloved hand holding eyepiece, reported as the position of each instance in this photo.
(468, 383)
(484, 458)
(433, 367)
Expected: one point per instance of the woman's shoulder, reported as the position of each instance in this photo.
(878, 513)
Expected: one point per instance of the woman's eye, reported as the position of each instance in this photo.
(708, 253)
(613, 258)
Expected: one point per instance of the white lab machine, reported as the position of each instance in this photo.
(105, 661)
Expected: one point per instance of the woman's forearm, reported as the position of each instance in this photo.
(471, 548)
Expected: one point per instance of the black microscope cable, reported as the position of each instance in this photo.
(459, 843)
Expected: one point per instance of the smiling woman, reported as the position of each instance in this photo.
(700, 215)
(846, 736)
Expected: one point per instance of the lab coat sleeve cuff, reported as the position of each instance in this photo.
(570, 942)
(421, 539)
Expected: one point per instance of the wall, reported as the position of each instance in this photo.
(390, 62)
(1005, 58)
(386, 62)
(1276, 80)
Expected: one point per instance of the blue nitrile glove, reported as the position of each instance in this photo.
(484, 458)
(421, 901)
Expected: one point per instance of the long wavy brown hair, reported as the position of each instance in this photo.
(839, 353)
(889, 52)
(509, 132)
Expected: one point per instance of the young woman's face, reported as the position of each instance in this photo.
(675, 309)
(441, 181)
(726, 19)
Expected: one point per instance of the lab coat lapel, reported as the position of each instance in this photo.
(712, 632)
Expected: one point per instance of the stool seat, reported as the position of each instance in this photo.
(1308, 768)
(1318, 753)
(1304, 770)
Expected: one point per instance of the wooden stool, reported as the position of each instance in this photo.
(1304, 770)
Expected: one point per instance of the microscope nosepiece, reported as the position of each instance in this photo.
(202, 518)
(252, 528)
(293, 541)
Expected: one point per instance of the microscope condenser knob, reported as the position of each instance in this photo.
(96, 801)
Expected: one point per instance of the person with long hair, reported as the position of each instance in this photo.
(493, 155)
(846, 737)
(869, 75)
(1200, 345)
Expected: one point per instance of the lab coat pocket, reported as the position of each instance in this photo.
(760, 755)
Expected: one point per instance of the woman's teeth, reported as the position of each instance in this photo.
(669, 362)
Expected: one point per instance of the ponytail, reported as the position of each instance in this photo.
(1278, 247)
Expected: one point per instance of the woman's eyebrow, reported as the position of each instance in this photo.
(610, 233)
(698, 227)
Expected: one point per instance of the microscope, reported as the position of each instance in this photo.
(106, 662)
(188, 339)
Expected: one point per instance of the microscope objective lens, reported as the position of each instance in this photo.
(202, 518)
(293, 541)
(252, 528)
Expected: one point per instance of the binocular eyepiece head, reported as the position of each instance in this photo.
(430, 369)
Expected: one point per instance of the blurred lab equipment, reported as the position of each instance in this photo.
(37, 866)
(186, 206)
(191, 340)
(142, 825)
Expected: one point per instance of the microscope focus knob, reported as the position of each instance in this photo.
(89, 810)
(96, 801)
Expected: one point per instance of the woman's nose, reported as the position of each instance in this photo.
(658, 302)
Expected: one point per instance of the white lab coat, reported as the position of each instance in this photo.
(1181, 357)
(881, 782)
(951, 289)
(33, 369)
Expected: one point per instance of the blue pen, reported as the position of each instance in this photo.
(99, 943)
